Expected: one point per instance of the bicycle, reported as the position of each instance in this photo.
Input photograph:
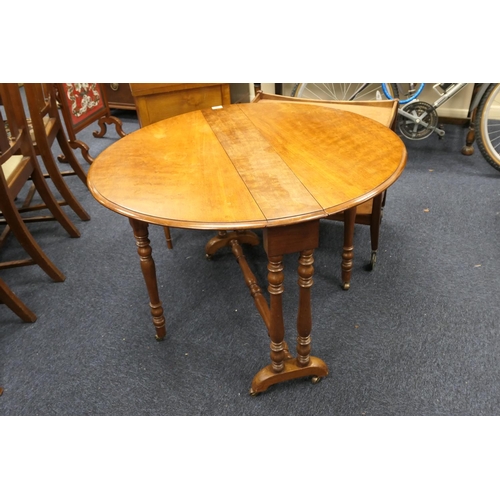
(419, 119)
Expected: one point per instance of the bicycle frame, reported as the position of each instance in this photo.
(447, 94)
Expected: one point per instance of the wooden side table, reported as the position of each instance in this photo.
(246, 166)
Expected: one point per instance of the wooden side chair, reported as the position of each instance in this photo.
(370, 212)
(47, 127)
(83, 104)
(158, 101)
(19, 169)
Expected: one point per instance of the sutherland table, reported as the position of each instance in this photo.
(273, 165)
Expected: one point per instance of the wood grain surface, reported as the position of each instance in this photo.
(247, 166)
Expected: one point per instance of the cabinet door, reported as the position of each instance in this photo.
(119, 95)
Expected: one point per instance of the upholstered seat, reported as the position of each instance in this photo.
(48, 123)
(12, 167)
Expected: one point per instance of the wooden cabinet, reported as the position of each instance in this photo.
(119, 95)
(157, 101)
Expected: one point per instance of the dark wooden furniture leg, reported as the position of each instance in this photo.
(468, 148)
(18, 227)
(149, 272)
(304, 317)
(168, 237)
(110, 120)
(348, 249)
(56, 177)
(302, 238)
(298, 238)
(84, 149)
(376, 220)
(70, 158)
(8, 298)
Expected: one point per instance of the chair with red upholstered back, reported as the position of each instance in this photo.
(83, 104)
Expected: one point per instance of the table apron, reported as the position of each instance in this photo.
(294, 238)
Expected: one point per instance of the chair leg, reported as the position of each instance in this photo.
(8, 298)
(166, 230)
(376, 219)
(348, 249)
(25, 238)
(51, 203)
(59, 182)
(70, 157)
(84, 149)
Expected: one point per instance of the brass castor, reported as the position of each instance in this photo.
(315, 379)
(253, 393)
(346, 286)
(468, 150)
(373, 260)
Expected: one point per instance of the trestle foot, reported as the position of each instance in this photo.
(223, 239)
(266, 377)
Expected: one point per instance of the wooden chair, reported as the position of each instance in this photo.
(158, 101)
(370, 212)
(46, 128)
(83, 104)
(19, 169)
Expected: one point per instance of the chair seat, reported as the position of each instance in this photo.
(12, 167)
(363, 209)
(48, 122)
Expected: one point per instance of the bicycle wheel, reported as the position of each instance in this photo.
(344, 91)
(487, 125)
(407, 92)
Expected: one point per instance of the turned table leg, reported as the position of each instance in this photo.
(276, 323)
(348, 248)
(304, 318)
(300, 238)
(149, 272)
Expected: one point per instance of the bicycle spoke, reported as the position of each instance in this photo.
(343, 91)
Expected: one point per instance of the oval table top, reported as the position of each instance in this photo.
(247, 166)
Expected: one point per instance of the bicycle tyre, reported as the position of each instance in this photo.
(342, 91)
(407, 92)
(487, 125)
